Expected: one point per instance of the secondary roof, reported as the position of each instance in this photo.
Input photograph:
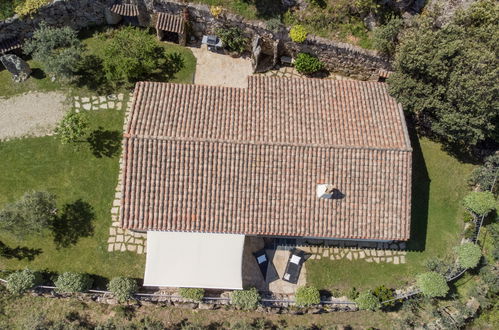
(247, 161)
(194, 260)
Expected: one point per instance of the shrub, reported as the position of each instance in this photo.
(246, 299)
(33, 213)
(298, 33)
(72, 128)
(385, 37)
(470, 230)
(21, 281)
(29, 7)
(307, 295)
(318, 3)
(274, 24)
(195, 294)
(485, 175)
(73, 282)
(132, 54)
(480, 202)
(307, 64)
(7, 8)
(468, 255)
(233, 39)
(367, 300)
(122, 288)
(383, 294)
(352, 293)
(57, 49)
(438, 265)
(432, 284)
(216, 11)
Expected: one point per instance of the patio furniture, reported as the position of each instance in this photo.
(262, 260)
(293, 268)
(213, 42)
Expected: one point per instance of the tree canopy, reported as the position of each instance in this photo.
(58, 49)
(432, 284)
(72, 128)
(447, 77)
(34, 212)
(480, 202)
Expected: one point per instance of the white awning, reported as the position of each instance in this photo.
(194, 260)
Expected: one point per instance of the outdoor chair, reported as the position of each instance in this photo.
(294, 265)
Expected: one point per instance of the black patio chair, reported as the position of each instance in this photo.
(262, 259)
(293, 268)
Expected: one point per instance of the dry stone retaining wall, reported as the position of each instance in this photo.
(339, 57)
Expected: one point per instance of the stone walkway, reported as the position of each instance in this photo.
(394, 256)
(98, 102)
(123, 239)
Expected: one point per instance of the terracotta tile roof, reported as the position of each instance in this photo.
(125, 10)
(170, 23)
(216, 159)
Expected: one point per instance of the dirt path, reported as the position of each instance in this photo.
(31, 114)
(220, 70)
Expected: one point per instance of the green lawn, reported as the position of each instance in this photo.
(439, 184)
(45, 164)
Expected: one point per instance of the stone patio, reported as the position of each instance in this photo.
(99, 102)
(393, 256)
(291, 72)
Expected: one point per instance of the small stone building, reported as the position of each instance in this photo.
(171, 28)
(129, 13)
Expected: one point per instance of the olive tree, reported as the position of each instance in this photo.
(20, 281)
(72, 128)
(73, 282)
(57, 49)
(480, 202)
(33, 213)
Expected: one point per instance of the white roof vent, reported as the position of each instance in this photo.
(325, 190)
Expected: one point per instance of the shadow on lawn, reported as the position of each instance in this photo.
(420, 196)
(104, 143)
(74, 222)
(18, 252)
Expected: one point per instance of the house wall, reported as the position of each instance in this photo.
(339, 57)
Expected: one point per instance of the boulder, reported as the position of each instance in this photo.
(18, 67)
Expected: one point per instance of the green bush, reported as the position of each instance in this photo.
(233, 39)
(132, 54)
(246, 299)
(383, 294)
(468, 255)
(298, 33)
(480, 202)
(20, 281)
(470, 230)
(485, 175)
(58, 49)
(308, 64)
(7, 8)
(432, 284)
(73, 282)
(385, 37)
(368, 301)
(274, 24)
(307, 295)
(352, 293)
(195, 294)
(123, 288)
(72, 128)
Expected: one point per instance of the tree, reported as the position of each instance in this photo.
(34, 212)
(233, 39)
(432, 284)
(72, 128)
(246, 299)
(22, 280)
(486, 175)
(57, 49)
(195, 294)
(307, 64)
(367, 300)
(447, 78)
(29, 7)
(385, 37)
(123, 288)
(132, 54)
(480, 202)
(307, 295)
(468, 255)
(73, 282)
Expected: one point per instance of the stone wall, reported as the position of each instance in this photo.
(339, 57)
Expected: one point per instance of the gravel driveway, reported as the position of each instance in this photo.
(220, 70)
(31, 114)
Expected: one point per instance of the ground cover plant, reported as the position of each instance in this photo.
(436, 225)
